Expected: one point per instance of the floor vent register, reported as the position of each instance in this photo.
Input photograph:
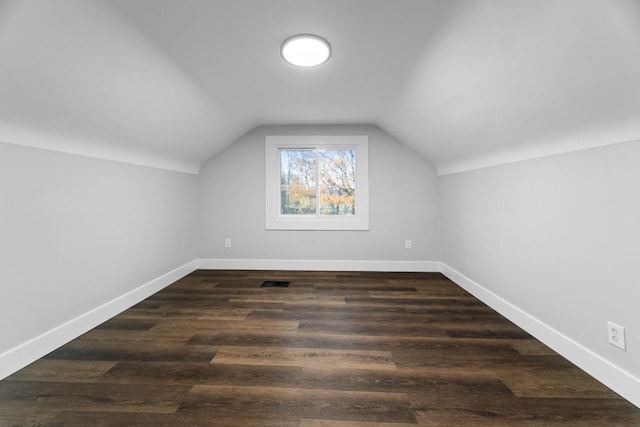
(274, 284)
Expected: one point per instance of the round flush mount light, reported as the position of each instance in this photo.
(305, 50)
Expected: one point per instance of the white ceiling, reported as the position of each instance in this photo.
(466, 83)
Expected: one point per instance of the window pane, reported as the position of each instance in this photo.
(337, 182)
(297, 182)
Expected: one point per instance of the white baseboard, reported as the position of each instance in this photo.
(319, 265)
(614, 377)
(18, 357)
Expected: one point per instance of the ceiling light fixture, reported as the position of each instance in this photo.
(305, 50)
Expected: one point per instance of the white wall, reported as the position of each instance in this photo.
(403, 205)
(559, 239)
(76, 233)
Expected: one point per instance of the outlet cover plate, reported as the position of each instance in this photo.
(616, 335)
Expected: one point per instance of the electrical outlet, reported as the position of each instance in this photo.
(616, 335)
(407, 244)
(227, 243)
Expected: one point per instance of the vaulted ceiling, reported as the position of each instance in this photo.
(170, 83)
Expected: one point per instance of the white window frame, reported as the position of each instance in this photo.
(277, 221)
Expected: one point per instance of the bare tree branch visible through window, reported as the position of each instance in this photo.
(309, 175)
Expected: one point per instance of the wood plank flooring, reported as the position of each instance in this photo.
(333, 349)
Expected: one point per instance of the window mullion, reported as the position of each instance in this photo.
(317, 182)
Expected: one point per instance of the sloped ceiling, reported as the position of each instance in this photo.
(466, 83)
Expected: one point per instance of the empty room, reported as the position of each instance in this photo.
(312, 213)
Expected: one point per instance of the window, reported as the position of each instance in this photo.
(317, 183)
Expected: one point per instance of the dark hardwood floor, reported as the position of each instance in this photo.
(333, 349)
